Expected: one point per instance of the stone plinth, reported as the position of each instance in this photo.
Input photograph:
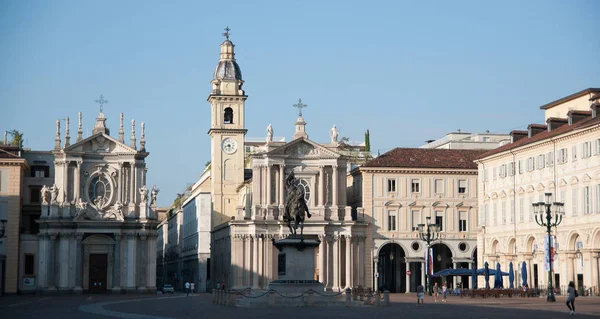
(296, 266)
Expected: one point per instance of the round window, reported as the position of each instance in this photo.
(462, 246)
(416, 246)
(306, 189)
(99, 191)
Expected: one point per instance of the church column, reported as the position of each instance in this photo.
(281, 191)
(269, 202)
(117, 263)
(329, 260)
(131, 185)
(321, 185)
(376, 272)
(63, 260)
(77, 176)
(423, 275)
(322, 261)
(43, 264)
(65, 182)
(255, 262)
(336, 263)
(361, 261)
(334, 184)
(143, 262)
(78, 261)
(261, 265)
(120, 184)
(348, 239)
(247, 260)
(130, 281)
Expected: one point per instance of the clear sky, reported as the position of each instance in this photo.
(407, 70)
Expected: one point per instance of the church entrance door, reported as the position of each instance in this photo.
(98, 273)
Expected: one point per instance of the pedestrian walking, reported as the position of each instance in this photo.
(436, 292)
(420, 295)
(571, 295)
(193, 288)
(218, 285)
(187, 288)
(444, 292)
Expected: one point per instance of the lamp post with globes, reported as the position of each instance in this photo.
(549, 214)
(428, 232)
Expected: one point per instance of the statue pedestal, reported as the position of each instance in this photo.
(54, 210)
(45, 211)
(143, 211)
(66, 210)
(296, 266)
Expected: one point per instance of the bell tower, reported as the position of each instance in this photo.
(227, 131)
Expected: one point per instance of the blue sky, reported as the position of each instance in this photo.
(407, 70)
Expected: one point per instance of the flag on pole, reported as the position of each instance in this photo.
(429, 263)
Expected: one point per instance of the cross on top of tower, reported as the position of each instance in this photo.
(226, 33)
(101, 101)
(300, 106)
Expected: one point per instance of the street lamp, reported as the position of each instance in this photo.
(553, 217)
(429, 234)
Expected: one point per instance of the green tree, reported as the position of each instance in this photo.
(17, 138)
(367, 141)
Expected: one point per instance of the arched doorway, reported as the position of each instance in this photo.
(442, 259)
(392, 268)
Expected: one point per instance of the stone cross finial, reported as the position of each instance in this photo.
(143, 137)
(57, 138)
(226, 33)
(133, 142)
(121, 132)
(300, 106)
(67, 135)
(101, 101)
(79, 129)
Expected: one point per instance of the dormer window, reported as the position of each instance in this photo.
(228, 116)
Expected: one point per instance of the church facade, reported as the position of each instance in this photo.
(97, 232)
(248, 195)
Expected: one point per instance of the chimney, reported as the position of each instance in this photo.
(595, 105)
(534, 129)
(555, 122)
(516, 135)
(575, 116)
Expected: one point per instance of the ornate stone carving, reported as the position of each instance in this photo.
(269, 133)
(45, 195)
(100, 143)
(144, 194)
(333, 134)
(155, 191)
(115, 212)
(53, 193)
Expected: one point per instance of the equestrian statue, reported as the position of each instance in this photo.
(295, 205)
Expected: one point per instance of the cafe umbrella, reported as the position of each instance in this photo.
(524, 274)
(511, 276)
(487, 275)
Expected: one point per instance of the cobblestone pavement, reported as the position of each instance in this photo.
(200, 306)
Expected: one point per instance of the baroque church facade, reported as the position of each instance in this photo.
(248, 195)
(97, 232)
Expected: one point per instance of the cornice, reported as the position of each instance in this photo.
(227, 130)
(417, 171)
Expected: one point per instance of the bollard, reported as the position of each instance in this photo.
(386, 298)
(361, 295)
(348, 297)
(221, 296)
(232, 299)
(354, 294)
(377, 299)
(368, 299)
(311, 298)
(214, 296)
(271, 298)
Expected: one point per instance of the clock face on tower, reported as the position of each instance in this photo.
(229, 145)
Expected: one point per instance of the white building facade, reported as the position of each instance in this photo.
(561, 157)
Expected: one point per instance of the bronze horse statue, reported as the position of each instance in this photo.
(295, 206)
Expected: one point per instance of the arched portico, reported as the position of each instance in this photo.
(392, 268)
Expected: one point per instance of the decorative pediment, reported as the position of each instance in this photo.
(100, 143)
(494, 195)
(597, 175)
(551, 184)
(530, 188)
(393, 203)
(511, 191)
(439, 204)
(586, 178)
(521, 190)
(303, 148)
(540, 187)
(502, 194)
(574, 180)
(562, 182)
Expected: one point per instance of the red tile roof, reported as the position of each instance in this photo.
(426, 158)
(544, 135)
